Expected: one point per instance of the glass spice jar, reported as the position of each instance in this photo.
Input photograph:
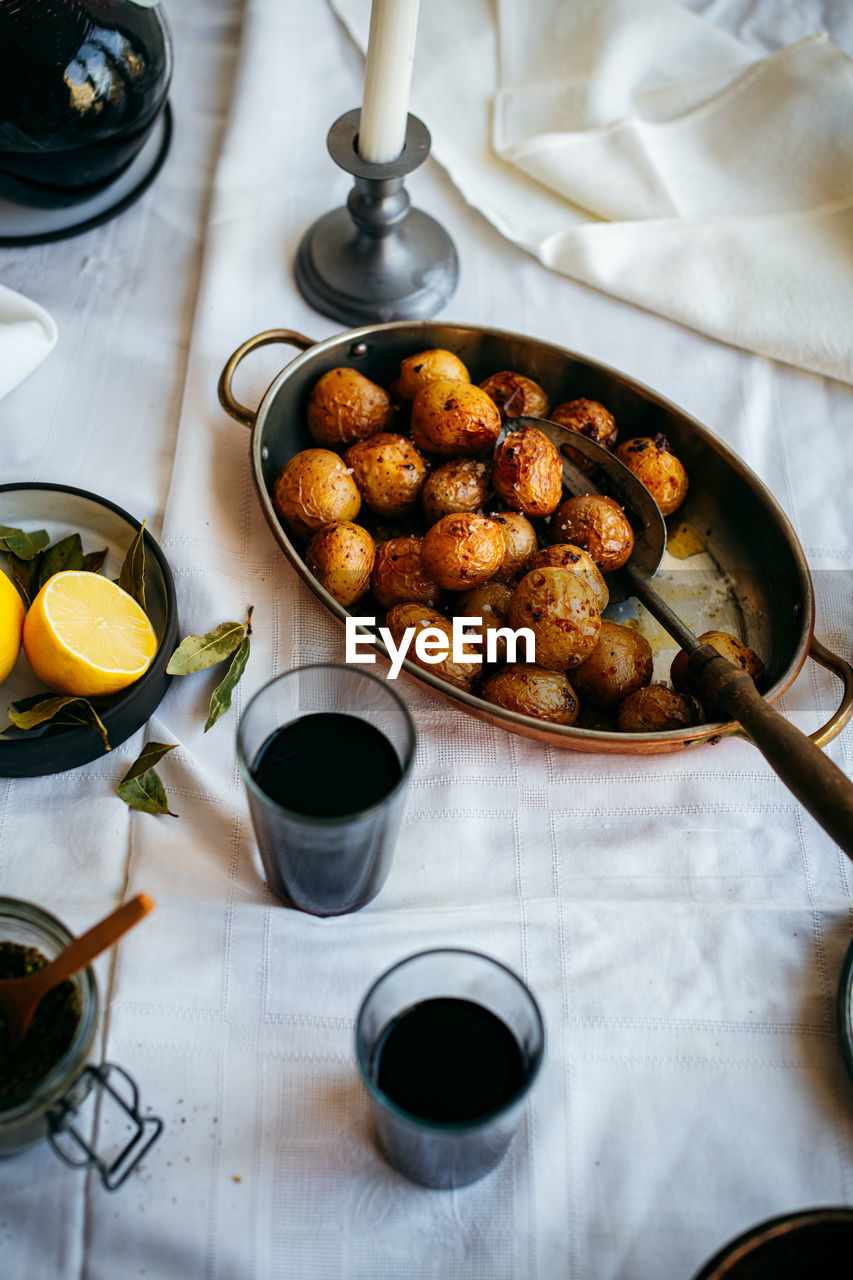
(48, 1108)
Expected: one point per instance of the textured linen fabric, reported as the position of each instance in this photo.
(681, 919)
(27, 336)
(639, 148)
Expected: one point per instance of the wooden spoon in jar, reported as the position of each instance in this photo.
(20, 997)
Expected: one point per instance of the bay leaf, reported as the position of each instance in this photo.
(197, 653)
(24, 704)
(150, 755)
(65, 554)
(145, 793)
(67, 709)
(82, 712)
(220, 699)
(25, 575)
(29, 713)
(23, 545)
(94, 560)
(132, 576)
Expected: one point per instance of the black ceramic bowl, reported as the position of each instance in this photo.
(62, 510)
(816, 1244)
(844, 1013)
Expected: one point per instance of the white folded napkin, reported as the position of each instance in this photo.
(641, 150)
(27, 336)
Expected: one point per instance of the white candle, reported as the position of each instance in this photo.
(387, 77)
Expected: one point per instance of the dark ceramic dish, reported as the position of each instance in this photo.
(844, 1012)
(816, 1244)
(21, 225)
(61, 510)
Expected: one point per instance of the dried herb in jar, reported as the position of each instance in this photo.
(49, 1034)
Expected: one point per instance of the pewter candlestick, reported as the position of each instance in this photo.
(377, 259)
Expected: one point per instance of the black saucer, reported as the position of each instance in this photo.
(22, 225)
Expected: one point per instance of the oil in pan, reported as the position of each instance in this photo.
(695, 586)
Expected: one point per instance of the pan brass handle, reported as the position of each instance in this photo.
(844, 671)
(840, 717)
(227, 398)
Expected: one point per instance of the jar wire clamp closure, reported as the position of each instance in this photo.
(47, 1082)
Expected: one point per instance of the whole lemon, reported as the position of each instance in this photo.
(11, 625)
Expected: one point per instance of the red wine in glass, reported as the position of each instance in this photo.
(326, 810)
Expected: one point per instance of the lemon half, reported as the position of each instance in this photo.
(11, 625)
(86, 636)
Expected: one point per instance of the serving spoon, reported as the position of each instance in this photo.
(20, 997)
(818, 783)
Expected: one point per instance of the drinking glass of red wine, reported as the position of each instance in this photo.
(326, 752)
(448, 1043)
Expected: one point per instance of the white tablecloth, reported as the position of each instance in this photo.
(680, 919)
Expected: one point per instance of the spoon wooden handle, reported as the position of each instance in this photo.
(813, 778)
(79, 953)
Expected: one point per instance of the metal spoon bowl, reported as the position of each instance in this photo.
(811, 776)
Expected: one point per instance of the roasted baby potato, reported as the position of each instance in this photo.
(620, 663)
(341, 557)
(598, 525)
(461, 485)
(389, 473)
(454, 419)
(528, 472)
(427, 366)
(533, 691)
(560, 610)
(402, 616)
(516, 396)
(587, 417)
(520, 540)
(737, 653)
(655, 709)
(461, 551)
(489, 602)
(399, 575)
(344, 406)
(315, 488)
(657, 467)
(383, 529)
(562, 555)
